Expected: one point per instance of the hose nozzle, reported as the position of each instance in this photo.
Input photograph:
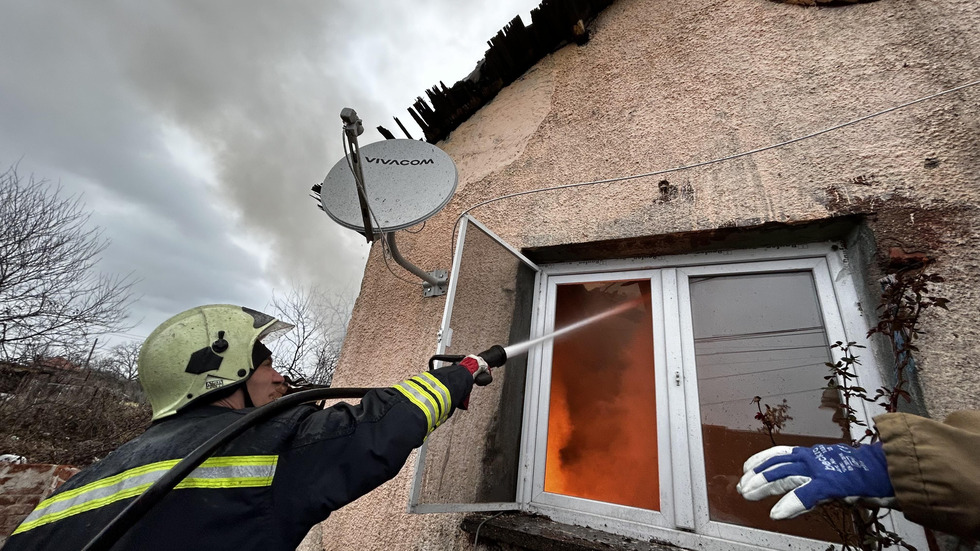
(495, 356)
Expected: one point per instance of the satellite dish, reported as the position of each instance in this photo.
(406, 182)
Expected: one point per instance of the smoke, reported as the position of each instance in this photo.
(602, 426)
(196, 129)
(261, 85)
(252, 83)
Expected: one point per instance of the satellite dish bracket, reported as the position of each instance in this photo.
(435, 282)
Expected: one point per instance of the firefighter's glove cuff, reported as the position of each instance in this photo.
(811, 476)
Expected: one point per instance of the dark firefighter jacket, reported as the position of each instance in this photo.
(265, 489)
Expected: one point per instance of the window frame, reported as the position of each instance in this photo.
(541, 380)
(684, 519)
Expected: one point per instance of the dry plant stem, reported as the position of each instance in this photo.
(766, 424)
(841, 376)
(905, 298)
(311, 351)
(70, 418)
(773, 419)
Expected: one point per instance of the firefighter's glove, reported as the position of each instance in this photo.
(816, 475)
(476, 366)
(479, 368)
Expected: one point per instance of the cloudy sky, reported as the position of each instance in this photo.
(194, 129)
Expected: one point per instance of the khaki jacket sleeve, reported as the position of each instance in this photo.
(935, 469)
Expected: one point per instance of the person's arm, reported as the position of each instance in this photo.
(935, 469)
(929, 470)
(345, 451)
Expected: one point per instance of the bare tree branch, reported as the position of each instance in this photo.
(51, 296)
(312, 349)
(122, 360)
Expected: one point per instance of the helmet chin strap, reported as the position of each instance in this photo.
(248, 396)
(260, 353)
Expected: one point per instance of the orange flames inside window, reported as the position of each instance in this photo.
(602, 423)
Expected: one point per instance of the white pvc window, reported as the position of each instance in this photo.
(639, 425)
(613, 415)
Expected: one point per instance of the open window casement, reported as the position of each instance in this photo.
(471, 463)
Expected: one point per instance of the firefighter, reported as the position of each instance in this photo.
(202, 370)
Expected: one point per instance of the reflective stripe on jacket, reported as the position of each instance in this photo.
(216, 472)
(265, 489)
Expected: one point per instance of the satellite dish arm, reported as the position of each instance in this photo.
(397, 256)
(354, 128)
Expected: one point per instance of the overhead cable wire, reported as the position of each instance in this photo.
(746, 373)
(385, 253)
(709, 162)
(822, 360)
(756, 350)
(780, 395)
(476, 537)
(761, 334)
(128, 335)
(406, 230)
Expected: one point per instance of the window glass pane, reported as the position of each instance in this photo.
(602, 423)
(474, 457)
(759, 335)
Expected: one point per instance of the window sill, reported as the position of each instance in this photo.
(539, 533)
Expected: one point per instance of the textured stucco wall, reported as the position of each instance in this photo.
(668, 83)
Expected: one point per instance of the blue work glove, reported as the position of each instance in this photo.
(816, 475)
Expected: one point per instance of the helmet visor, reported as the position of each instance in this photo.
(274, 330)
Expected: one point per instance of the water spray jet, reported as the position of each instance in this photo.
(497, 355)
(522, 347)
